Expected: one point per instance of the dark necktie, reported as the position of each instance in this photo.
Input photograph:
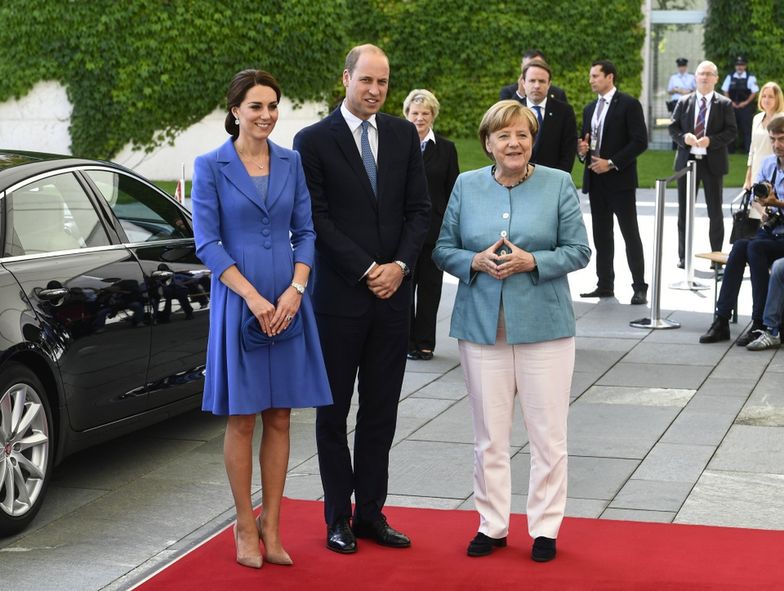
(599, 124)
(699, 129)
(367, 156)
(423, 145)
(538, 110)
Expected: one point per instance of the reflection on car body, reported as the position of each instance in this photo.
(104, 315)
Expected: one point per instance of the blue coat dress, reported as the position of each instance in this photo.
(264, 240)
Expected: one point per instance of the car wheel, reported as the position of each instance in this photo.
(25, 447)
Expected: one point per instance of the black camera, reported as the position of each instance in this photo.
(761, 190)
(775, 218)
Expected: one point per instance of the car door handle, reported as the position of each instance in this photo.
(54, 295)
(163, 276)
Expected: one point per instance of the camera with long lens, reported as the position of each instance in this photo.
(775, 218)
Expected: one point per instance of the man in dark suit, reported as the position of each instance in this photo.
(516, 91)
(371, 212)
(554, 145)
(613, 135)
(703, 126)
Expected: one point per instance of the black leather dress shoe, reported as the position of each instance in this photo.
(750, 335)
(640, 297)
(413, 355)
(380, 531)
(543, 549)
(681, 264)
(718, 331)
(598, 293)
(483, 545)
(425, 355)
(340, 538)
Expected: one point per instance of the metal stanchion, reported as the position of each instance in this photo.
(656, 321)
(691, 200)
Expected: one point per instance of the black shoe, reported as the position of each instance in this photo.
(718, 331)
(483, 545)
(543, 549)
(380, 531)
(681, 264)
(598, 293)
(425, 355)
(640, 297)
(340, 538)
(413, 355)
(750, 335)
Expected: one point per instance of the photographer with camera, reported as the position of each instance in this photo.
(760, 251)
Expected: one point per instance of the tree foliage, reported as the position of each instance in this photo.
(143, 71)
(753, 29)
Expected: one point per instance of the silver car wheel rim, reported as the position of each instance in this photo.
(24, 449)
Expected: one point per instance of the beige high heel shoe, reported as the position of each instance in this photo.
(282, 558)
(249, 561)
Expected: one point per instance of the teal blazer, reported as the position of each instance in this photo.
(542, 216)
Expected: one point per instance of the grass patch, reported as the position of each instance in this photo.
(652, 165)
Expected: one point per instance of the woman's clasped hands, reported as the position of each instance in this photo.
(275, 319)
(502, 259)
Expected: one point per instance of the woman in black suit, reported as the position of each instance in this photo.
(440, 156)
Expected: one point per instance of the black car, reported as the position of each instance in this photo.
(103, 315)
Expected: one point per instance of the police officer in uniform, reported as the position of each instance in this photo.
(741, 88)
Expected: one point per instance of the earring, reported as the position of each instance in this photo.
(236, 121)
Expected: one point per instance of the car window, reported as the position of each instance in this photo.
(49, 215)
(144, 214)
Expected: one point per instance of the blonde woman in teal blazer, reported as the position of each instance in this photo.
(511, 234)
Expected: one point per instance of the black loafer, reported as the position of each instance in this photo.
(640, 297)
(718, 331)
(598, 293)
(413, 355)
(340, 538)
(381, 532)
(425, 355)
(543, 549)
(483, 545)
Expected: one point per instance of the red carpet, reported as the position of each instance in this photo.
(592, 554)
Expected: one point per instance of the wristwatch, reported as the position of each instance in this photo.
(299, 287)
(612, 164)
(404, 268)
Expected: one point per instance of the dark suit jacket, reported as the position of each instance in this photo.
(721, 130)
(624, 137)
(557, 143)
(510, 92)
(441, 169)
(354, 228)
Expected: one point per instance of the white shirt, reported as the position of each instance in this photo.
(678, 80)
(708, 102)
(430, 137)
(354, 124)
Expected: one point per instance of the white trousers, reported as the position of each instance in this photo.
(541, 373)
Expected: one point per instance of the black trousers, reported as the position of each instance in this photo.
(622, 204)
(712, 186)
(371, 347)
(425, 298)
(744, 118)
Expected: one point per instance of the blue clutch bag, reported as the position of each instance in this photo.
(253, 337)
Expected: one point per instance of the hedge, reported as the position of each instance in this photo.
(143, 71)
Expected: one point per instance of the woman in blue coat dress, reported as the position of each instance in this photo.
(253, 228)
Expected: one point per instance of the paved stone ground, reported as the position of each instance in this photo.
(661, 429)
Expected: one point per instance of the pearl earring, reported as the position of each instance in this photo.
(236, 122)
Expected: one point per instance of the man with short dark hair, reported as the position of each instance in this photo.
(371, 213)
(613, 135)
(759, 252)
(516, 91)
(554, 145)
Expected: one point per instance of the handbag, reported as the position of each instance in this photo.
(742, 225)
(253, 337)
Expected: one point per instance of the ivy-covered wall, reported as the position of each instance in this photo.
(143, 71)
(751, 28)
